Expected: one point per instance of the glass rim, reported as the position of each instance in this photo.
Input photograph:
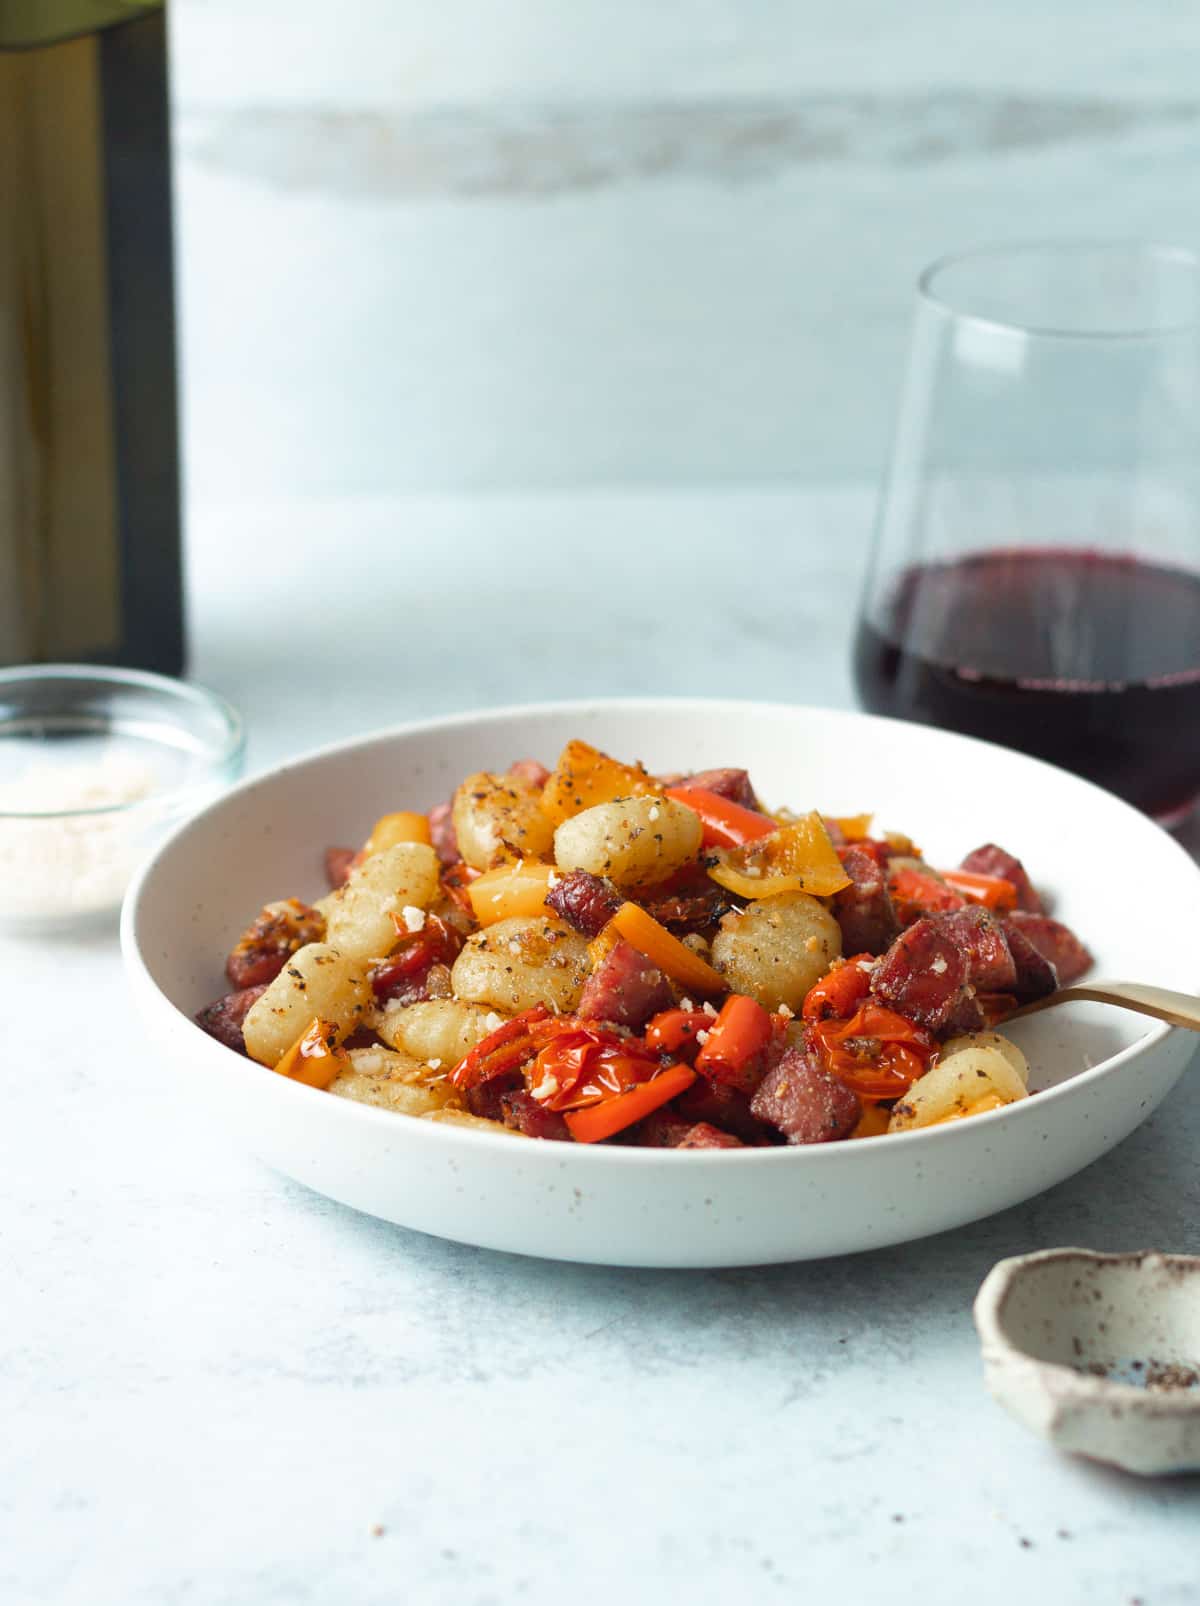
(1180, 255)
(217, 756)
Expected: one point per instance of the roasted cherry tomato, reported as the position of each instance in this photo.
(505, 1049)
(585, 1064)
(877, 1052)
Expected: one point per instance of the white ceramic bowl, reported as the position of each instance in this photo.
(1129, 890)
(1078, 1346)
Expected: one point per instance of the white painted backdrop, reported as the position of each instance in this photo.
(480, 245)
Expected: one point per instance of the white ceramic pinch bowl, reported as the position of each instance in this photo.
(1100, 1354)
(1099, 1072)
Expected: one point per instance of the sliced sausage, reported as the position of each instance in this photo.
(924, 975)
(223, 1018)
(1055, 942)
(1036, 976)
(276, 933)
(587, 902)
(732, 784)
(804, 1102)
(979, 934)
(625, 988)
(864, 910)
(992, 860)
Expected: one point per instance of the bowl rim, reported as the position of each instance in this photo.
(169, 690)
(811, 1155)
(995, 1339)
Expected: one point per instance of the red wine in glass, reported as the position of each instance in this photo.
(1088, 659)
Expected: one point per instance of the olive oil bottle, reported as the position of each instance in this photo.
(90, 563)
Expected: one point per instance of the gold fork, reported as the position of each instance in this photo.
(1178, 1009)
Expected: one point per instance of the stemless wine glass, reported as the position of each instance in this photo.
(1036, 571)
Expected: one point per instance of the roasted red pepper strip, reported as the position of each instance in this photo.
(456, 878)
(602, 1120)
(838, 994)
(504, 1049)
(674, 1031)
(992, 891)
(736, 1041)
(435, 944)
(877, 1052)
(726, 824)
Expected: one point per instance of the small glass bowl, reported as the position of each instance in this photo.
(95, 765)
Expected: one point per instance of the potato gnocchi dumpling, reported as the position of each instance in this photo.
(437, 1031)
(358, 917)
(777, 948)
(966, 1082)
(498, 819)
(633, 841)
(515, 964)
(318, 982)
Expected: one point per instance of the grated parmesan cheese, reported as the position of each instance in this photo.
(72, 863)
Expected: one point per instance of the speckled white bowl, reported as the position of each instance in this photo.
(1099, 1072)
(1068, 1333)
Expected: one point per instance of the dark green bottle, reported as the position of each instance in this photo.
(90, 559)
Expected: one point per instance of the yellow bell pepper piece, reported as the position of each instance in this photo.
(511, 890)
(799, 857)
(314, 1057)
(584, 776)
(404, 826)
(873, 1122)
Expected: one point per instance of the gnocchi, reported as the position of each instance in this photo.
(499, 819)
(777, 948)
(633, 841)
(358, 917)
(318, 982)
(515, 964)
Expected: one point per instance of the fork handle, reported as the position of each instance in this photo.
(1178, 1009)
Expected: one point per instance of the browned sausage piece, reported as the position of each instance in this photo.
(804, 1102)
(587, 902)
(263, 949)
(625, 988)
(223, 1018)
(991, 860)
(864, 910)
(924, 976)
(1055, 942)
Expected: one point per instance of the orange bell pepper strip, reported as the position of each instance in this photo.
(726, 824)
(600, 1121)
(992, 891)
(315, 1058)
(671, 956)
(732, 1052)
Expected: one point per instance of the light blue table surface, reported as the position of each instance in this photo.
(218, 1388)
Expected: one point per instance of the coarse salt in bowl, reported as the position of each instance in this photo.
(95, 764)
